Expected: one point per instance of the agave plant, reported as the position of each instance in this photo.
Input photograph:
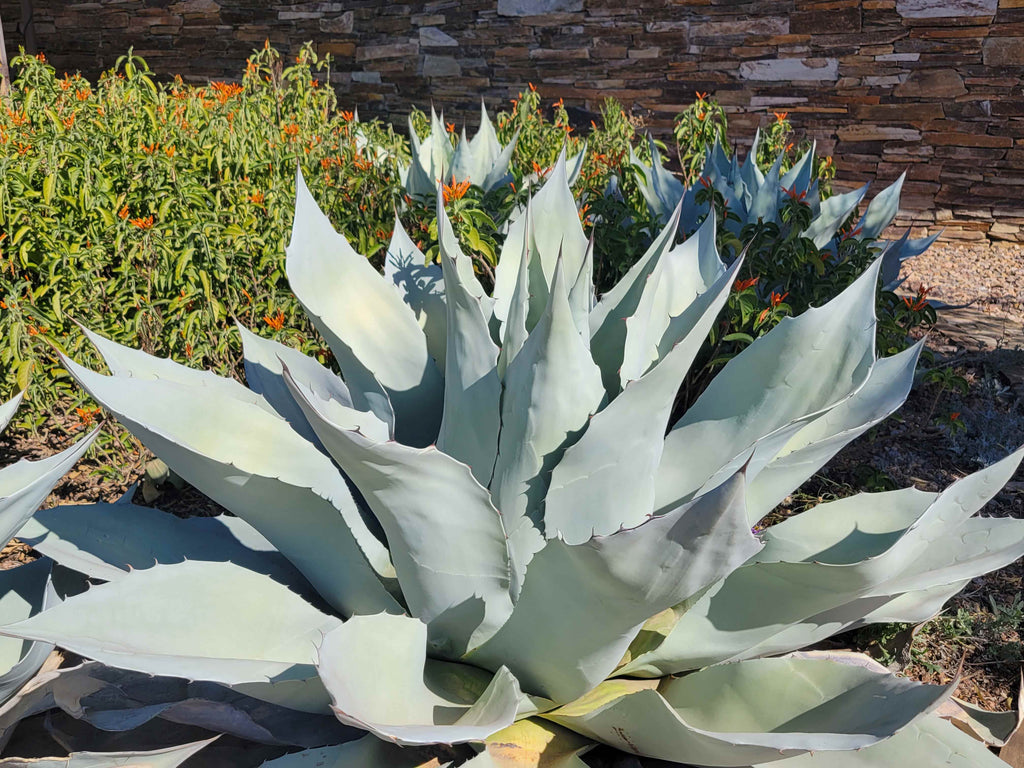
(753, 195)
(490, 532)
(482, 160)
(27, 589)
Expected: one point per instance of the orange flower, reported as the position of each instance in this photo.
(348, 117)
(256, 198)
(742, 285)
(361, 163)
(83, 94)
(143, 222)
(276, 321)
(247, 296)
(149, 149)
(583, 211)
(701, 96)
(291, 130)
(775, 299)
(68, 121)
(226, 91)
(701, 115)
(532, 87)
(542, 172)
(450, 127)
(920, 301)
(169, 151)
(780, 116)
(559, 104)
(794, 195)
(954, 415)
(188, 349)
(86, 416)
(455, 191)
(123, 213)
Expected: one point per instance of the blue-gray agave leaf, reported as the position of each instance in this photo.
(377, 672)
(24, 591)
(201, 620)
(250, 461)
(169, 757)
(374, 335)
(751, 711)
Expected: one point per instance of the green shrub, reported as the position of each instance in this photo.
(145, 210)
(697, 129)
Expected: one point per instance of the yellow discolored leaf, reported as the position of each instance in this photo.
(536, 744)
(24, 373)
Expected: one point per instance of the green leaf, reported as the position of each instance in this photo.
(552, 388)
(472, 394)
(826, 569)
(131, 363)
(26, 484)
(252, 463)
(560, 643)
(374, 335)
(814, 445)
(169, 757)
(8, 409)
(834, 211)
(24, 591)
(198, 620)
(264, 361)
(378, 675)
(107, 541)
(610, 471)
(881, 210)
(663, 316)
(752, 711)
(555, 233)
(661, 189)
(927, 743)
(513, 329)
(455, 581)
(421, 286)
(607, 321)
(533, 743)
(367, 752)
(765, 392)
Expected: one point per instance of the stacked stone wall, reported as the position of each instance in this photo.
(932, 87)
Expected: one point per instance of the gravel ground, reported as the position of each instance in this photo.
(990, 277)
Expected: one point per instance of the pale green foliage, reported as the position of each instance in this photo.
(26, 590)
(537, 549)
(751, 196)
(482, 160)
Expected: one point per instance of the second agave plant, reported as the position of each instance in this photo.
(489, 531)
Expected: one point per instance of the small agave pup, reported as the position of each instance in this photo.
(482, 160)
(752, 195)
(537, 562)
